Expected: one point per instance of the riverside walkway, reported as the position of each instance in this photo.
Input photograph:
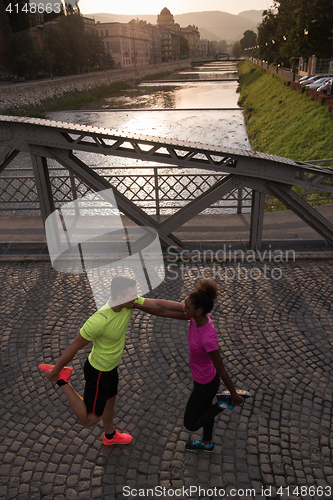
(25, 235)
(275, 332)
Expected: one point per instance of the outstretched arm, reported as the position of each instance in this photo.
(215, 356)
(78, 343)
(165, 304)
(162, 311)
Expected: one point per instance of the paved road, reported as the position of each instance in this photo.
(277, 342)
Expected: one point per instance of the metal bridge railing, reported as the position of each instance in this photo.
(155, 190)
(189, 178)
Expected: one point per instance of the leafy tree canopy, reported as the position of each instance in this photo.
(236, 50)
(249, 40)
(294, 28)
(68, 47)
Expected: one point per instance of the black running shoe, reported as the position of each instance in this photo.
(198, 445)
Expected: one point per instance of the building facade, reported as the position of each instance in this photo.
(170, 33)
(127, 43)
(207, 48)
(165, 18)
(155, 39)
(192, 35)
(138, 43)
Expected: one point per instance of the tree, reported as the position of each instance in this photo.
(71, 49)
(296, 28)
(267, 37)
(236, 50)
(68, 48)
(249, 40)
(183, 46)
(22, 54)
(51, 16)
(222, 47)
(314, 25)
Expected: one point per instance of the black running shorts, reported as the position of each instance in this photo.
(100, 386)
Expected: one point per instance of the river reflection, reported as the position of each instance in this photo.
(203, 112)
(170, 95)
(217, 89)
(218, 128)
(207, 75)
(200, 112)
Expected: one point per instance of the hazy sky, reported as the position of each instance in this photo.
(137, 7)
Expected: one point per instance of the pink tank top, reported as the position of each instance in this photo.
(200, 342)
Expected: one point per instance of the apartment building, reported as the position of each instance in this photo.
(192, 35)
(207, 48)
(131, 44)
(170, 33)
(138, 43)
(154, 39)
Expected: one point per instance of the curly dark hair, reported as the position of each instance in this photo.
(204, 295)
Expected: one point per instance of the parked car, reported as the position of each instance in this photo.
(314, 78)
(326, 87)
(318, 83)
(306, 77)
(310, 79)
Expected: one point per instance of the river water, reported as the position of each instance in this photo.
(198, 105)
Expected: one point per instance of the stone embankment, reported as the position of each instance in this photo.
(37, 94)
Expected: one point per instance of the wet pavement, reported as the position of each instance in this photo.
(275, 335)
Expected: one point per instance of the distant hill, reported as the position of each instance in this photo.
(223, 25)
(120, 18)
(253, 15)
(214, 25)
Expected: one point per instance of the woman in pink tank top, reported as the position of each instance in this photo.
(205, 360)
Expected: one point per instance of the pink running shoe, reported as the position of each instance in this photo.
(118, 438)
(64, 374)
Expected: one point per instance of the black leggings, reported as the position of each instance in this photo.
(200, 410)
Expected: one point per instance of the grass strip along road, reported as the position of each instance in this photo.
(281, 121)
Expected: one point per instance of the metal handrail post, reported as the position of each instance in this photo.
(157, 195)
(239, 200)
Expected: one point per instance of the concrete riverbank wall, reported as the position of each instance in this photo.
(36, 93)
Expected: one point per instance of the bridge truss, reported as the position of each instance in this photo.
(263, 173)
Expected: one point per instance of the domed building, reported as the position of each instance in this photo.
(170, 32)
(165, 18)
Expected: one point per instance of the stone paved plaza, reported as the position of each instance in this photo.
(276, 338)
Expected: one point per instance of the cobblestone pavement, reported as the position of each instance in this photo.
(276, 337)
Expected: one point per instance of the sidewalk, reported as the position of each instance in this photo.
(287, 73)
(282, 230)
(276, 339)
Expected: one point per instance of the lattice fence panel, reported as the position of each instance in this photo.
(185, 186)
(135, 188)
(154, 192)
